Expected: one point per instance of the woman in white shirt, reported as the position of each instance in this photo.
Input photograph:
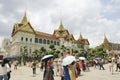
(3, 69)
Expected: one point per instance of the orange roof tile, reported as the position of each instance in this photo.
(46, 35)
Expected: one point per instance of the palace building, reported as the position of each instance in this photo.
(24, 35)
(110, 47)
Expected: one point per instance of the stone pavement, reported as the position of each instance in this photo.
(25, 73)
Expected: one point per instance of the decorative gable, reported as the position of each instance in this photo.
(27, 28)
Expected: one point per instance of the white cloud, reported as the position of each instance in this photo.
(85, 16)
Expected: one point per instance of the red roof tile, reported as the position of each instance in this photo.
(46, 35)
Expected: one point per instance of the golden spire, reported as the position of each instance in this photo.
(80, 37)
(24, 20)
(61, 25)
(105, 39)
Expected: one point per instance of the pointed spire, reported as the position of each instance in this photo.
(60, 21)
(24, 20)
(105, 39)
(80, 37)
(61, 25)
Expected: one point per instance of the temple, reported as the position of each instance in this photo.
(109, 46)
(24, 35)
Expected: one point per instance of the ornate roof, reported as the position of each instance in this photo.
(61, 32)
(110, 46)
(23, 26)
(46, 35)
(82, 41)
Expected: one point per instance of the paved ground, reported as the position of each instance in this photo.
(25, 73)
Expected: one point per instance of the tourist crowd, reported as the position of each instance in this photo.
(52, 68)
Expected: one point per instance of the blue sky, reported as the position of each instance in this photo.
(92, 18)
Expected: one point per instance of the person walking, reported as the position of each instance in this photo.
(101, 64)
(78, 68)
(72, 71)
(48, 72)
(9, 70)
(66, 73)
(3, 69)
(111, 66)
(41, 66)
(117, 64)
(34, 68)
(60, 69)
(83, 66)
(15, 63)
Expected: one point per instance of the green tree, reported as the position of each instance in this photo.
(43, 51)
(52, 47)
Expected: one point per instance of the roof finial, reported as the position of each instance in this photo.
(105, 39)
(61, 25)
(80, 37)
(24, 20)
(60, 21)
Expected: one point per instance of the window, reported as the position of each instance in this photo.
(51, 41)
(55, 42)
(58, 43)
(48, 42)
(36, 40)
(30, 39)
(40, 40)
(26, 39)
(21, 38)
(44, 41)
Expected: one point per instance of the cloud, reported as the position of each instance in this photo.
(92, 18)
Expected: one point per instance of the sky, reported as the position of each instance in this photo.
(92, 18)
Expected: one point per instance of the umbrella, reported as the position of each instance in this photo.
(46, 57)
(82, 58)
(68, 60)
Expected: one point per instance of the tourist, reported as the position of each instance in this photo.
(78, 66)
(3, 69)
(56, 69)
(41, 66)
(95, 63)
(87, 65)
(60, 72)
(101, 64)
(83, 66)
(34, 68)
(118, 64)
(15, 63)
(66, 73)
(111, 66)
(72, 71)
(9, 70)
(60, 69)
(48, 72)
